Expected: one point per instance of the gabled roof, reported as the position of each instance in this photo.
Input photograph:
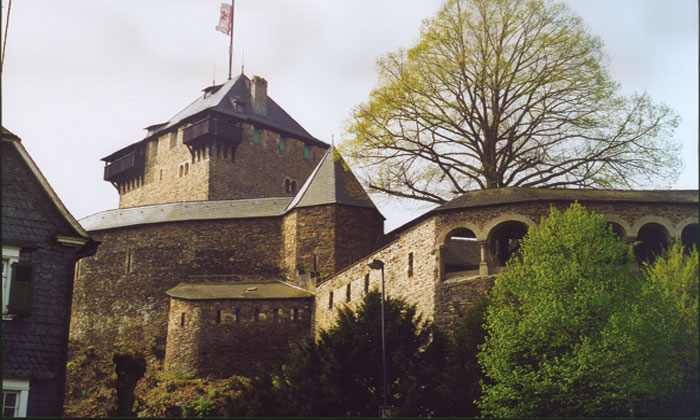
(332, 182)
(267, 290)
(9, 137)
(220, 98)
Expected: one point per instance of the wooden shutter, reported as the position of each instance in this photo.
(21, 288)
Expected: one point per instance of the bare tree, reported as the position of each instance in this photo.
(506, 93)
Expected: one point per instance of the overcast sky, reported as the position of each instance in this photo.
(82, 78)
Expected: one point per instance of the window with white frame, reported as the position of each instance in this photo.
(10, 255)
(15, 394)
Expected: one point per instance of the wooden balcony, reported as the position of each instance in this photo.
(124, 167)
(211, 129)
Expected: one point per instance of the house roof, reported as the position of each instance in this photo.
(9, 137)
(220, 98)
(192, 210)
(208, 291)
(332, 182)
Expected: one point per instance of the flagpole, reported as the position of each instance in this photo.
(230, 45)
(4, 41)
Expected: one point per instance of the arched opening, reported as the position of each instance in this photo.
(689, 236)
(652, 240)
(461, 251)
(504, 242)
(618, 229)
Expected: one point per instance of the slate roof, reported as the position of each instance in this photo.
(192, 210)
(509, 195)
(517, 194)
(332, 182)
(221, 101)
(11, 138)
(208, 291)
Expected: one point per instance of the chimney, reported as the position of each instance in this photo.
(258, 90)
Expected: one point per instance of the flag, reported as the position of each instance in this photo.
(225, 18)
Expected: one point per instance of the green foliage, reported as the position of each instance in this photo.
(506, 93)
(341, 373)
(572, 333)
(460, 387)
(203, 407)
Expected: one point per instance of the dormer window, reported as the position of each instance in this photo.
(239, 106)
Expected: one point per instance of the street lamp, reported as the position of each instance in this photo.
(379, 265)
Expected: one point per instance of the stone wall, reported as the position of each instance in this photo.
(227, 336)
(260, 169)
(416, 286)
(164, 181)
(436, 298)
(257, 170)
(120, 295)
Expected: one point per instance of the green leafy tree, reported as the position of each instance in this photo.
(550, 314)
(668, 334)
(340, 374)
(503, 93)
(572, 333)
(462, 375)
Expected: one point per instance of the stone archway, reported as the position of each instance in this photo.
(504, 242)
(460, 251)
(689, 236)
(652, 239)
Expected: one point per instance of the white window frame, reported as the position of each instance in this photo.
(20, 386)
(10, 256)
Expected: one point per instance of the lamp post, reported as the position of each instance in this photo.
(379, 265)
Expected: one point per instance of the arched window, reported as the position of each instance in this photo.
(294, 187)
(652, 240)
(460, 251)
(180, 170)
(187, 168)
(618, 229)
(689, 236)
(287, 186)
(504, 242)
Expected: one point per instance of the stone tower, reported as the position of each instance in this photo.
(331, 223)
(232, 142)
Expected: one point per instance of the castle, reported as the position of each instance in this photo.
(238, 234)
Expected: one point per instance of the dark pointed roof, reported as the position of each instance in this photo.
(221, 98)
(332, 182)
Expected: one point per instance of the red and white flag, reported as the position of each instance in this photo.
(225, 18)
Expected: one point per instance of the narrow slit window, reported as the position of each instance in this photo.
(295, 314)
(330, 301)
(238, 315)
(366, 283)
(347, 293)
(410, 264)
(182, 319)
(129, 268)
(218, 317)
(256, 315)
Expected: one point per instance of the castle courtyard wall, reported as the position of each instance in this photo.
(416, 285)
(119, 293)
